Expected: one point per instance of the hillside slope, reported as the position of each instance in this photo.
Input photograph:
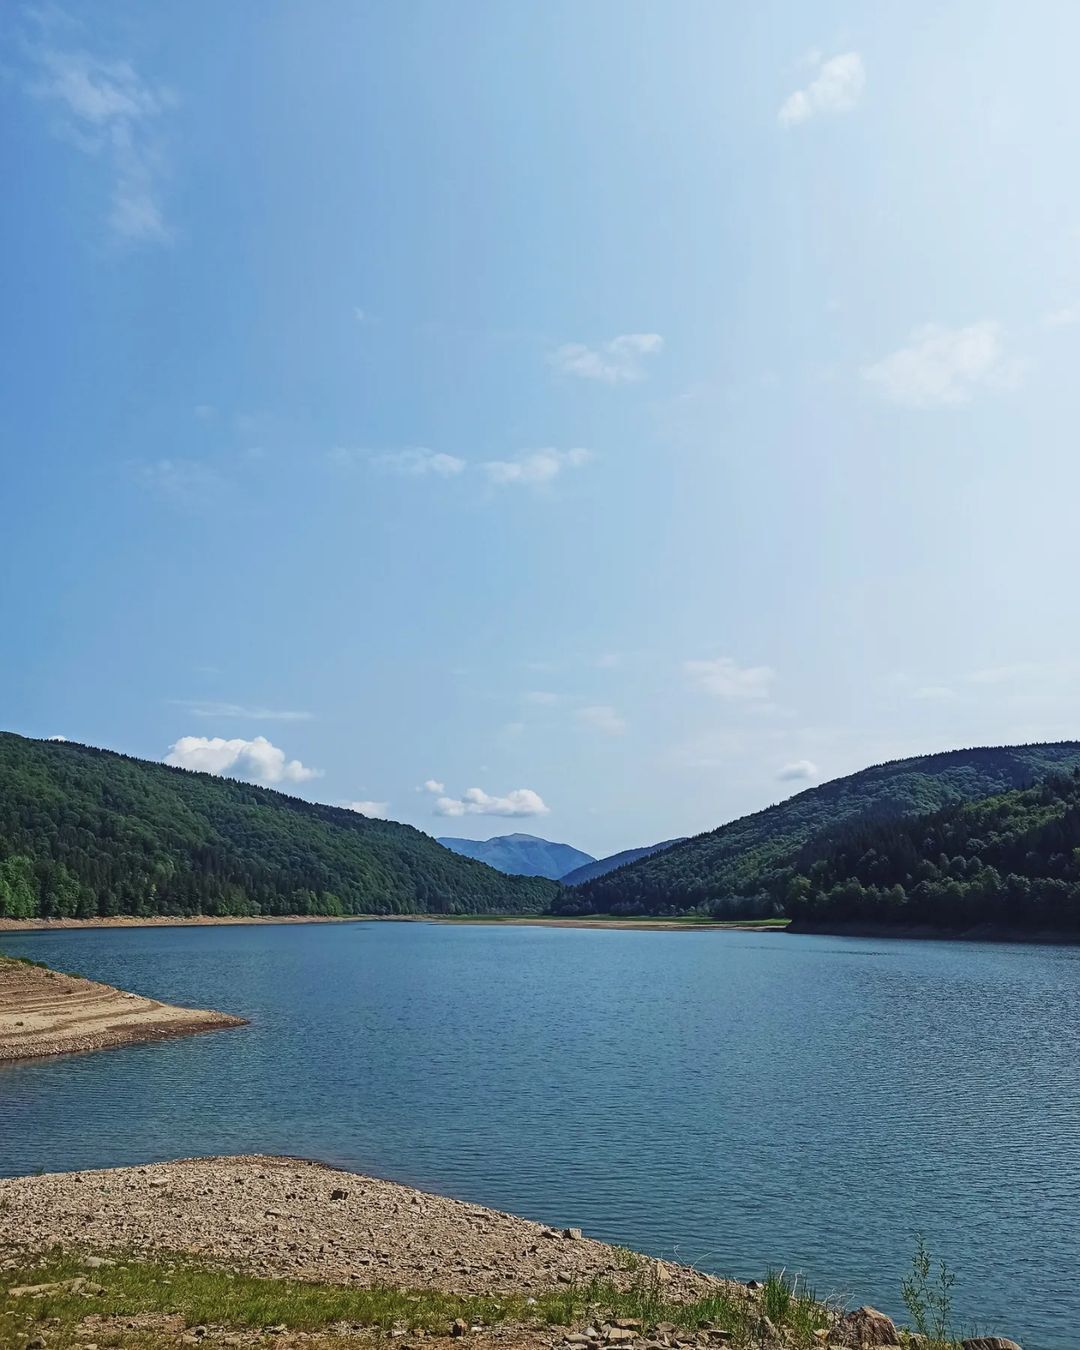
(1012, 860)
(599, 866)
(86, 832)
(521, 854)
(733, 870)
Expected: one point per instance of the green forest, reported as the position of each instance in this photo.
(1011, 860)
(87, 833)
(741, 869)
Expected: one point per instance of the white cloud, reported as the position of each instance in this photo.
(202, 708)
(724, 678)
(797, 771)
(616, 362)
(476, 802)
(257, 759)
(601, 717)
(535, 468)
(942, 367)
(836, 88)
(420, 463)
(374, 810)
(109, 112)
(56, 738)
(432, 785)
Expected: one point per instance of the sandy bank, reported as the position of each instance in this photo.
(43, 1012)
(174, 921)
(284, 1216)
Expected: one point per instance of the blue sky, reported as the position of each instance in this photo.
(615, 417)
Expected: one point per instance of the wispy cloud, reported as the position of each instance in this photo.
(836, 87)
(535, 468)
(724, 678)
(432, 785)
(476, 802)
(189, 482)
(943, 367)
(256, 713)
(420, 463)
(619, 361)
(601, 717)
(108, 111)
(374, 810)
(258, 759)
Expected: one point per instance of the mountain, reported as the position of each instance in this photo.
(87, 832)
(600, 866)
(1012, 860)
(521, 854)
(736, 869)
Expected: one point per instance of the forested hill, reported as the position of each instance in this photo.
(86, 832)
(1012, 860)
(739, 868)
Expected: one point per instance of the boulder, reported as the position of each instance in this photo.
(866, 1326)
(988, 1343)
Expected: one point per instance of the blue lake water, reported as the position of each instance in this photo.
(734, 1100)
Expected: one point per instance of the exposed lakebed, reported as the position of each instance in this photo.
(732, 1100)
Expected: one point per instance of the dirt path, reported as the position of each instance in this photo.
(44, 1012)
(284, 1216)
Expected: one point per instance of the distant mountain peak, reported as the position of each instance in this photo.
(521, 854)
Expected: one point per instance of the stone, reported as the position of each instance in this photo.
(458, 1327)
(96, 1262)
(988, 1343)
(866, 1326)
(754, 1285)
(574, 1234)
(338, 1194)
(38, 1343)
(619, 1335)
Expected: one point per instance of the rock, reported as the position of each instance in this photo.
(279, 1330)
(577, 1338)
(866, 1326)
(619, 1335)
(458, 1327)
(627, 1323)
(754, 1286)
(96, 1262)
(574, 1234)
(37, 1343)
(157, 1181)
(988, 1343)
(338, 1194)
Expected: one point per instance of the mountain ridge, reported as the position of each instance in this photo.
(88, 832)
(521, 854)
(729, 871)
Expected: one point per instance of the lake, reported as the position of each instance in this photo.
(732, 1100)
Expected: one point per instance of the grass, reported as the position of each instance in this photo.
(139, 1290)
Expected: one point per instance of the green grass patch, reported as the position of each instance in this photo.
(209, 1295)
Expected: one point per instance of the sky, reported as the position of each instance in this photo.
(594, 420)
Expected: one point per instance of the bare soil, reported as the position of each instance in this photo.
(44, 1012)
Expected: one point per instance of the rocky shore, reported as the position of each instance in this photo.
(44, 1012)
(274, 1219)
(284, 1216)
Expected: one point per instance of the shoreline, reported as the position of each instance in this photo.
(985, 932)
(46, 1012)
(497, 920)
